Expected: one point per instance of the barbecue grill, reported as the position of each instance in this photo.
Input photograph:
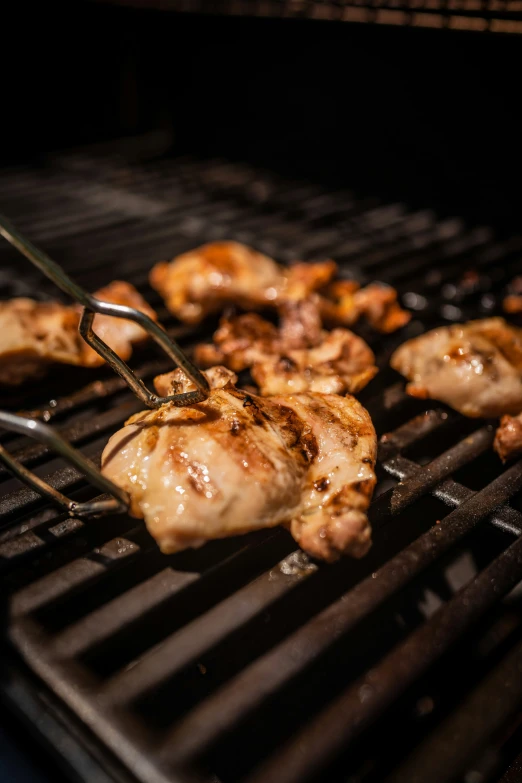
(244, 661)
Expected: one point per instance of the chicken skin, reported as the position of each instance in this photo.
(34, 334)
(475, 367)
(298, 357)
(237, 462)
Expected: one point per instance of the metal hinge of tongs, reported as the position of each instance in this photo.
(46, 434)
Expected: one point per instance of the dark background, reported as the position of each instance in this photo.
(426, 115)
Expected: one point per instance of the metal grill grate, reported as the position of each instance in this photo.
(242, 661)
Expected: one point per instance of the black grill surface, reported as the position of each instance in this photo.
(243, 661)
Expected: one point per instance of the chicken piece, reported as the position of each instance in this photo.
(342, 362)
(302, 279)
(301, 325)
(475, 367)
(508, 437)
(237, 462)
(331, 362)
(343, 303)
(33, 334)
(239, 342)
(207, 279)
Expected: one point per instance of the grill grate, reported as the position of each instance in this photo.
(242, 661)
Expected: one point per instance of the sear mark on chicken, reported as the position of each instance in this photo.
(238, 462)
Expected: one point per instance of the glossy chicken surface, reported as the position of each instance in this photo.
(299, 356)
(34, 334)
(475, 367)
(237, 462)
(206, 279)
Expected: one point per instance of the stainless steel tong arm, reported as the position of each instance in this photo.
(45, 434)
(93, 305)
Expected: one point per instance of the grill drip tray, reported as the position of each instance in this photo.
(240, 662)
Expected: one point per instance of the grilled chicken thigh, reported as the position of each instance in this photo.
(237, 462)
(212, 276)
(209, 278)
(298, 357)
(475, 368)
(35, 334)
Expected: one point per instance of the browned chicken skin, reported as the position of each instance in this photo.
(237, 462)
(33, 334)
(213, 276)
(343, 303)
(475, 368)
(297, 357)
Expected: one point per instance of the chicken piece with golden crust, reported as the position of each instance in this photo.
(475, 367)
(329, 362)
(342, 362)
(508, 437)
(239, 342)
(209, 278)
(237, 462)
(33, 334)
(218, 274)
(343, 302)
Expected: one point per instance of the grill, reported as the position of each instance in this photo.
(497, 16)
(243, 661)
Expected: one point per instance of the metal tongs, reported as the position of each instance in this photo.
(46, 434)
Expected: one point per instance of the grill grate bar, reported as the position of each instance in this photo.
(79, 572)
(421, 480)
(188, 644)
(332, 730)
(245, 692)
(462, 736)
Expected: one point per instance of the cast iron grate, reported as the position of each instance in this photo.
(243, 661)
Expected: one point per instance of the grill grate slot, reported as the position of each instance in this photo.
(182, 665)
